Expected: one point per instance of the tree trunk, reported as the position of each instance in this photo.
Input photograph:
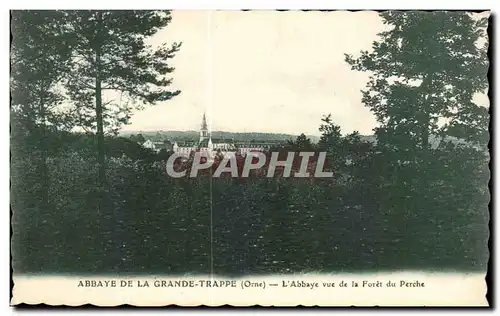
(99, 114)
(43, 147)
(425, 131)
(424, 202)
(426, 118)
(44, 170)
(100, 133)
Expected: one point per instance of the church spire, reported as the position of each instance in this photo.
(204, 123)
(204, 129)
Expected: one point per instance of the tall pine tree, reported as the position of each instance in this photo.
(110, 53)
(426, 70)
(40, 55)
(40, 59)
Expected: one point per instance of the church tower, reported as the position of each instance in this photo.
(204, 129)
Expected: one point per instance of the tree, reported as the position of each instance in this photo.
(110, 53)
(427, 67)
(40, 58)
(330, 134)
(302, 143)
(139, 138)
(331, 143)
(346, 154)
(425, 71)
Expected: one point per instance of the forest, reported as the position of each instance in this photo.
(86, 200)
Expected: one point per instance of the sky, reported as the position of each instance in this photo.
(264, 71)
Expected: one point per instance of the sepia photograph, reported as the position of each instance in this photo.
(251, 157)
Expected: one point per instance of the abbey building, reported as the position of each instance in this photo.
(205, 143)
(210, 144)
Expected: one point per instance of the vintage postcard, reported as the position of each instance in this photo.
(272, 158)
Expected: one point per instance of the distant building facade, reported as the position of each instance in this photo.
(221, 146)
(212, 146)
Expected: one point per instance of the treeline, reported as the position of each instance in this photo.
(371, 215)
(195, 136)
(96, 203)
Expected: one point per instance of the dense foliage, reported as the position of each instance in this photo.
(370, 216)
